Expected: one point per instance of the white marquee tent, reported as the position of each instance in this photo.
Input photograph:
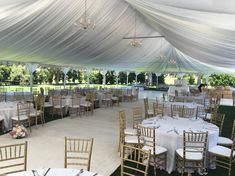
(199, 35)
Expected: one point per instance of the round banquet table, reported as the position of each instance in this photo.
(172, 139)
(56, 172)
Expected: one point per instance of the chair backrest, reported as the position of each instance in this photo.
(195, 143)
(23, 109)
(158, 108)
(146, 107)
(76, 101)
(78, 152)
(188, 112)
(137, 116)
(135, 161)
(148, 136)
(122, 126)
(57, 101)
(201, 112)
(13, 158)
(218, 120)
(177, 110)
(233, 131)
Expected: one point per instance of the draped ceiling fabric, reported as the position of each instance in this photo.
(197, 39)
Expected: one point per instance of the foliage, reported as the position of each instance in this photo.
(19, 75)
(141, 78)
(222, 80)
(161, 79)
(110, 77)
(5, 72)
(96, 77)
(122, 77)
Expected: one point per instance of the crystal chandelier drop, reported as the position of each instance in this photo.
(85, 22)
(135, 42)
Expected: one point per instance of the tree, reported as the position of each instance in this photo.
(141, 78)
(161, 79)
(110, 77)
(122, 77)
(5, 72)
(19, 75)
(222, 80)
(131, 77)
(96, 77)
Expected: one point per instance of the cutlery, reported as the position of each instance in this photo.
(47, 171)
(176, 131)
(169, 131)
(79, 173)
(95, 174)
(33, 173)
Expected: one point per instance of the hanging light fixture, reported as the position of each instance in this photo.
(135, 42)
(84, 21)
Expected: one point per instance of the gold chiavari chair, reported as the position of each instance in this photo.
(223, 156)
(201, 112)
(218, 120)
(75, 107)
(177, 110)
(227, 141)
(1, 123)
(135, 161)
(188, 112)
(193, 153)
(147, 135)
(2, 96)
(57, 106)
(158, 109)
(126, 135)
(23, 115)
(38, 112)
(88, 105)
(107, 100)
(78, 152)
(13, 158)
(137, 116)
(148, 112)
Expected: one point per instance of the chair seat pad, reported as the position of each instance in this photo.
(33, 114)
(74, 106)
(114, 98)
(130, 131)
(158, 149)
(86, 104)
(58, 106)
(221, 150)
(131, 139)
(47, 105)
(23, 117)
(224, 141)
(190, 155)
(150, 111)
(106, 99)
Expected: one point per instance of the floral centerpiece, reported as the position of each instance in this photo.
(19, 132)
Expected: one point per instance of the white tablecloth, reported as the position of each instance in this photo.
(56, 172)
(172, 141)
(172, 89)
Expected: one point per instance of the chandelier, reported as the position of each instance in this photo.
(135, 42)
(84, 21)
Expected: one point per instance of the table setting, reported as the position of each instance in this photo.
(169, 133)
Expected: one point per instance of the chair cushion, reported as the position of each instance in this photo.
(23, 117)
(190, 155)
(114, 98)
(208, 116)
(158, 149)
(33, 114)
(86, 104)
(130, 131)
(74, 106)
(221, 150)
(224, 141)
(58, 106)
(150, 111)
(47, 105)
(131, 139)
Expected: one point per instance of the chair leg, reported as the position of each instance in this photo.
(29, 121)
(165, 161)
